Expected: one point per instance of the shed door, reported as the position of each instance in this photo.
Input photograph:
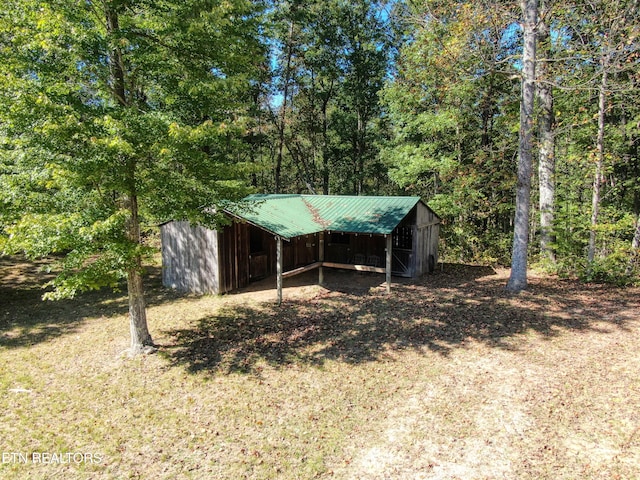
(402, 249)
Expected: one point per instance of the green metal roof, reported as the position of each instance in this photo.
(293, 215)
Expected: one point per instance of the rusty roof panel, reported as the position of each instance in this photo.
(352, 214)
(294, 215)
(284, 215)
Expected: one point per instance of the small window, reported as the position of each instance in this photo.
(403, 238)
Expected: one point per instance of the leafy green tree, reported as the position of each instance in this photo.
(364, 36)
(596, 88)
(125, 112)
(453, 116)
(331, 59)
(610, 36)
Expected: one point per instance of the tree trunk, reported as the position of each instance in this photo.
(546, 160)
(518, 278)
(283, 110)
(116, 62)
(597, 179)
(360, 149)
(325, 143)
(141, 341)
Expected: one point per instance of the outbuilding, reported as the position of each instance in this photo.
(290, 234)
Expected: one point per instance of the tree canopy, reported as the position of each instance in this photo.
(116, 115)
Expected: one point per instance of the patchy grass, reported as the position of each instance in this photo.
(446, 378)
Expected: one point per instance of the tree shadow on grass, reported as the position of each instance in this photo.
(441, 313)
(26, 319)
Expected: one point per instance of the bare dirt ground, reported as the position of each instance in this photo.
(448, 377)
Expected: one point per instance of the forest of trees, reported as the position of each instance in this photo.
(118, 114)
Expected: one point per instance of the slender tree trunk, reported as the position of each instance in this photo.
(634, 256)
(487, 108)
(360, 149)
(310, 168)
(283, 110)
(597, 179)
(546, 159)
(141, 341)
(518, 278)
(116, 62)
(325, 143)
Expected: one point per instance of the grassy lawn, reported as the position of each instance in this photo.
(447, 378)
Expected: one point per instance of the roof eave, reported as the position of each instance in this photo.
(261, 227)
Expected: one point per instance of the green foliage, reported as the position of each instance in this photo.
(613, 264)
(451, 108)
(323, 132)
(381, 98)
(38, 235)
(452, 119)
(610, 269)
(116, 115)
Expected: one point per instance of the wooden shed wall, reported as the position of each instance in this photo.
(190, 258)
(234, 257)
(425, 240)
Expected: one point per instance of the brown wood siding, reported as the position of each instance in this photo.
(305, 250)
(234, 255)
(297, 252)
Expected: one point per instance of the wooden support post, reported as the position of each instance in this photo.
(320, 257)
(388, 266)
(279, 268)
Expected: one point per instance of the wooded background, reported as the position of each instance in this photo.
(116, 115)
